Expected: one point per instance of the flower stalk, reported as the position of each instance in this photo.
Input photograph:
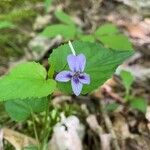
(72, 49)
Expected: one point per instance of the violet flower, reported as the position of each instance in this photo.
(76, 73)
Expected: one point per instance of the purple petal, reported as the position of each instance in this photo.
(76, 86)
(72, 62)
(64, 76)
(84, 78)
(76, 63)
(81, 62)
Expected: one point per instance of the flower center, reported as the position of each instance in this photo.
(76, 77)
(77, 74)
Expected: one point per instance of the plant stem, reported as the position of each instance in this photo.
(45, 134)
(35, 131)
(127, 95)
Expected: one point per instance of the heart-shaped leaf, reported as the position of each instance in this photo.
(100, 63)
(27, 80)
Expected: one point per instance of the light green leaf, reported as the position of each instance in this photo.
(64, 18)
(101, 63)
(27, 80)
(67, 31)
(106, 29)
(87, 38)
(6, 24)
(127, 79)
(20, 110)
(116, 41)
(139, 104)
(109, 35)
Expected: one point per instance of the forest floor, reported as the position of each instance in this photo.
(128, 128)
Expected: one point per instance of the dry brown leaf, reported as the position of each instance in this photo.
(121, 127)
(147, 115)
(17, 139)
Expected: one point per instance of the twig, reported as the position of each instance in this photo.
(105, 138)
(109, 127)
(92, 122)
(16, 139)
(106, 90)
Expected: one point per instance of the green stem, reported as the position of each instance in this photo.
(45, 134)
(127, 95)
(35, 131)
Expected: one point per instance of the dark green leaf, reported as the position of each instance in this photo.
(101, 63)
(20, 110)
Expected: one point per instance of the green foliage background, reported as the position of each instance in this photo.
(21, 13)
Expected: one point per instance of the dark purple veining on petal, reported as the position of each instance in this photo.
(81, 77)
(69, 75)
(76, 80)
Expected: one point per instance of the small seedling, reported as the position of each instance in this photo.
(135, 102)
(127, 80)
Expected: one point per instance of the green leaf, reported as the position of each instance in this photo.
(101, 63)
(27, 80)
(87, 38)
(109, 35)
(48, 3)
(139, 104)
(67, 31)
(64, 18)
(106, 29)
(127, 79)
(20, 110)
(116, 41)
(6, 24)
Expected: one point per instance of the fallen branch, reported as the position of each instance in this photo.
(18, 140)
